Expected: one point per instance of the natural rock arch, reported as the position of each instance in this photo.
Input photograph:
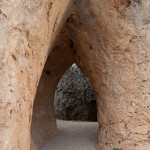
(110, 42)
(58, 62)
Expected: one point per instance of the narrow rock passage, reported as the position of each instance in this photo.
(73, 135)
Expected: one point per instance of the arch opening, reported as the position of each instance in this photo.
(44, 123)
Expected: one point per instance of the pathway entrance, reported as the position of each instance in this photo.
(73, 135)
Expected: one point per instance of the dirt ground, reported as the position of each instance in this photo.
(73, 135)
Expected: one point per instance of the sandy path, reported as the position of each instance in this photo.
(73, 136)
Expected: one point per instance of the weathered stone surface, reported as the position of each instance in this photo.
(27, 32)
(108, 40)
(43, 120)
(74, 97)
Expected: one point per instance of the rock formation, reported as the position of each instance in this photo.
(108, 40)
(74, 97)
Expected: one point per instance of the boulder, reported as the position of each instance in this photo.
(74, 97)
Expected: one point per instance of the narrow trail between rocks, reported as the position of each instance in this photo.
(73, 135)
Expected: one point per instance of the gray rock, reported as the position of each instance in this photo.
(74, 97)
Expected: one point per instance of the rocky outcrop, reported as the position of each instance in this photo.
(28, 30)
(74, 97)
(108, 40)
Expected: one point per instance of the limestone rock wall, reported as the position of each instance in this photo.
(112, 41)
(108, 40)
(74, 97)
(27, 31)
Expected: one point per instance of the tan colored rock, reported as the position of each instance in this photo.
(43, 120)
(108, 40)
(27, 31)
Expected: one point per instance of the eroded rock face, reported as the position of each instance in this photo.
(43, 120)
(27, 29)
(74, 97)
(108, 40)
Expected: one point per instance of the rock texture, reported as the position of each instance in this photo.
(108, 40)
(43, 121)
(74, 97)
(28, 30)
